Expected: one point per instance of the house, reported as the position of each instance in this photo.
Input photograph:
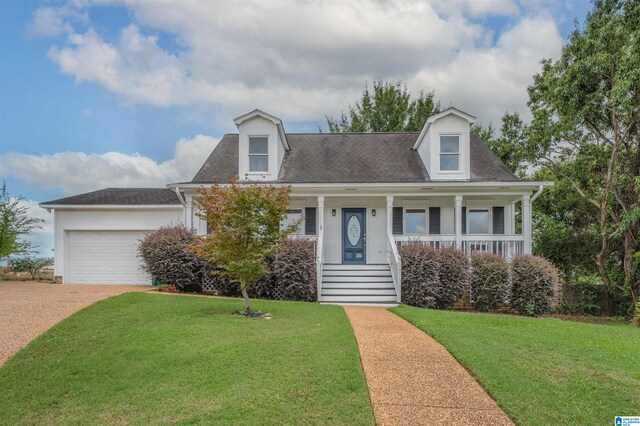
(359, 194)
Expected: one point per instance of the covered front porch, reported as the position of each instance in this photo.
(357, 235)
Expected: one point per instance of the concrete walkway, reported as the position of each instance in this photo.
(28, 308)
(412, 379)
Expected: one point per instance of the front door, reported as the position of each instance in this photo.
(354, 236)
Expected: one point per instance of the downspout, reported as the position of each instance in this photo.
(537, 194)
(183, 202)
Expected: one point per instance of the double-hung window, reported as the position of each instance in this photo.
(292, 217)
(449, 153)
(478, 222)
(416, 221)
(258, 154)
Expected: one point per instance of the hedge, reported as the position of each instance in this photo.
(535, 285)
(420, 274)
(490, 281)
(455, 276)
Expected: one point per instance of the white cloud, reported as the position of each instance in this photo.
(41, 239)
(76, 172)
(303, 60)
(50, 21)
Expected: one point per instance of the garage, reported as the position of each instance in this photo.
(104, 257)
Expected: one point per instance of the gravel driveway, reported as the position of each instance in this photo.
(27, 309)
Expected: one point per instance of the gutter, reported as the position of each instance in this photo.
(180, 197)
(537, 194)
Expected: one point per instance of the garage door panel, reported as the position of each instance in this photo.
(104, 257)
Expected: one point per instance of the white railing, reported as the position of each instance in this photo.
(395, 264)
(506, 245)
(319, 250)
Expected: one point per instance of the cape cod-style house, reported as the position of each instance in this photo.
(359, 194)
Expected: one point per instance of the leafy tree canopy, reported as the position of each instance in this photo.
(14, 224)
(245, 222)
(389, 108)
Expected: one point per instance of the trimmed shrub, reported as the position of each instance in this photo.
(167, 255)
(293, 271)
(490, 281)
(292, 274)
(420, 274)
(535, 284)
(454, 276)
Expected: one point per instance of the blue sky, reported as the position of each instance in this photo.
(115, 93)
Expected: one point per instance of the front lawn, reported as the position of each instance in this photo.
(543, 371)
(150, 359)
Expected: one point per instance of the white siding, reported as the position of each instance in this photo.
(376, 228)
(258, 126)
(429, 149)
(107, 220)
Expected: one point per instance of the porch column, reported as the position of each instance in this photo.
(390, 214)
(320, 215)
(513, 218)
(458, 207)
(188, 212)
(526, 223)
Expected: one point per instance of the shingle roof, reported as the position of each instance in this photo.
(121, 196)
(351, 158)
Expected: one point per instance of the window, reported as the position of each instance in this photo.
(416, 221)
(449, 153)
(259, 154)
(478, 222)
(292, 217)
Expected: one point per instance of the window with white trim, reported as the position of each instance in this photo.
(259, 154)
(415, 221)
(478, 221)
(450, 153)
(292, 217)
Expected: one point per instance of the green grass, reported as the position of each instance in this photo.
(154, 359)
(543, 371)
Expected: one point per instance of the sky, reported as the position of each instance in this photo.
(136, 93)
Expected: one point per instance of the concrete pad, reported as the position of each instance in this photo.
(412, 379)
(29, 308)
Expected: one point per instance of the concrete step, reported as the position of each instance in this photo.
(360, 299)
(352, 272)
(357, 279)
(358, 292)
(369, 267)
(343, 284)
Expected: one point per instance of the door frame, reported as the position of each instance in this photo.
(344, 212)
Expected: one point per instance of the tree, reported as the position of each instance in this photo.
(32, 265)
(245, 222)
(586, 108)
(511, 146)
(14, 223)
(388, 109)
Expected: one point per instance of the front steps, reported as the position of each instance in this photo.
(358, 285)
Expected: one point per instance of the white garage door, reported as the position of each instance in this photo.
(103, 257)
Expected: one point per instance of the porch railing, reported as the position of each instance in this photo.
(395, 264)
(507, 246)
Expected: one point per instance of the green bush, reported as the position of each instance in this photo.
(292, 274)
(490, 281)
(168, 256)
(420, 274)
(535, 283)
(32, 265)
(455, 276)
(583, 296)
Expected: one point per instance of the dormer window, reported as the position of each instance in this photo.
(449, 153)
(258, 154)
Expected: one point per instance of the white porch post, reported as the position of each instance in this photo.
(320, 214)
(458, 207)
(526, 223)
(390, 214)
(188, 212)
(513, 218)
(320, 246)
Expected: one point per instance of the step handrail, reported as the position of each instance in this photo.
(395, 264)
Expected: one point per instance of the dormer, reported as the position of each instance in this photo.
(263, 143)
(444, 145)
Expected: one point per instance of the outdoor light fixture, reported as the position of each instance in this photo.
(333, 212)
(373, 212)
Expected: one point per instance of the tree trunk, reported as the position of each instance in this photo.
(243, 288)
(629, 267)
